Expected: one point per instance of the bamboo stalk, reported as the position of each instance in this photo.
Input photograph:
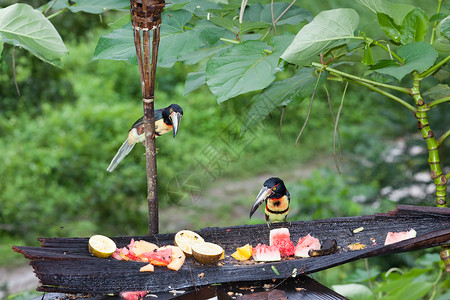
(146, 16)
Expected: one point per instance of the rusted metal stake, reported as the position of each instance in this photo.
(146, 17)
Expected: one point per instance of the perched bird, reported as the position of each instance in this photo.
(166, 119)
(277, 199)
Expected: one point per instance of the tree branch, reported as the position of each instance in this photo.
(434, 68)
(360, 79)
(442, 138)
(439, 101)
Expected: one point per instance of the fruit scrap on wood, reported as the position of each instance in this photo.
(395, 237)
(328, 247)
(356, 246)
(170, 256)
(133, 295)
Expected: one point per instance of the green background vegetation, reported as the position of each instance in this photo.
(59, 135)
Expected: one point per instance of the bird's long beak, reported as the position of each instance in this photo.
(264, 193)
(175, 118)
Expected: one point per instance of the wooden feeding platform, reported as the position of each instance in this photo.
(64, 265)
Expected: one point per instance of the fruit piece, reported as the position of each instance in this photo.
(282, 239)
(147, 268)
(356, 246)
(101, 246)
(243, 253)
(185, 239)
(305, 244)
(178, 258)
(135, 295)
(266, 253)
(207, 253)
(394, 237)
(142, 246)
(160, 257)
(279, 233)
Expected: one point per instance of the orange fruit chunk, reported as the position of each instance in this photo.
(243, 253)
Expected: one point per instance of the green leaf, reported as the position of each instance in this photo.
(367, 58)
(442, 40)
(324, 30)
(417, 57)
(195, 80)
(259, 13)
(242, 68)
(281, 93)
(117, 45)
(122, 21)
(97, 6)
(395, 11)
(438, 17)
(200, 8)
(176, 4)
(414, 290)
(25, 27)
(437, 92)
(174, 41)
(413, 29)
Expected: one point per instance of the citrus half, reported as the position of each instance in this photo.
(101, 246)
(185, 239)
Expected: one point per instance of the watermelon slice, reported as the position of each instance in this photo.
(133, 295)
(161, 257)
(394, 237)
(305, 244)
(266, 253)
(281, 238)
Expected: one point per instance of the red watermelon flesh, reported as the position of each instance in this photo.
(159, 258)
(281, 238)
(394, 237)
(134, 295)
(266, 253)
(305, 244)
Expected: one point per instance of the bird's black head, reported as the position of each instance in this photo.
(172, 115)
(273, 188)
(276, 185)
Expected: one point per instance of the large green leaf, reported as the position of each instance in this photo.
(417, 57)
(413, 28)
(321, 34)
(90, 6)
(396, 11)
(25, 27)
(437, 92)
(243, 68)
(259, 13)
(442, 40)
(280, 93)
(195, 80)
(174, 41)
(117, 45)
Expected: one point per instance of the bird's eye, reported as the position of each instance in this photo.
(275, 188)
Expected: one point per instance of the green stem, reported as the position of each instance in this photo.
(433, 31)
(443, 137)
(357, 78)
(230, 41)
(388, 50)
(438, 101)
(57, 13)
(434, 68)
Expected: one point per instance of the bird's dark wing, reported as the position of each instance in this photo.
(288, 196)
(140, 121)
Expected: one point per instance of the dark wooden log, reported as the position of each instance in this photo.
(64, 264)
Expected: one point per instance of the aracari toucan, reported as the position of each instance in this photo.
(277, 199)
(166, 119)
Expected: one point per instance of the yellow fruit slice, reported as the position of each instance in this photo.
(101, 246)
(207, 253)
(243, 253)
(185, 239)
(142, 246)
(147, 268)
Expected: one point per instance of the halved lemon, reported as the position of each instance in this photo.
(185, 239)
(101, 246)
(207, 253)
(243, 253)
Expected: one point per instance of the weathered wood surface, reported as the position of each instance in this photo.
(65, 265)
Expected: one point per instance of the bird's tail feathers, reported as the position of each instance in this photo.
(123, 151)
